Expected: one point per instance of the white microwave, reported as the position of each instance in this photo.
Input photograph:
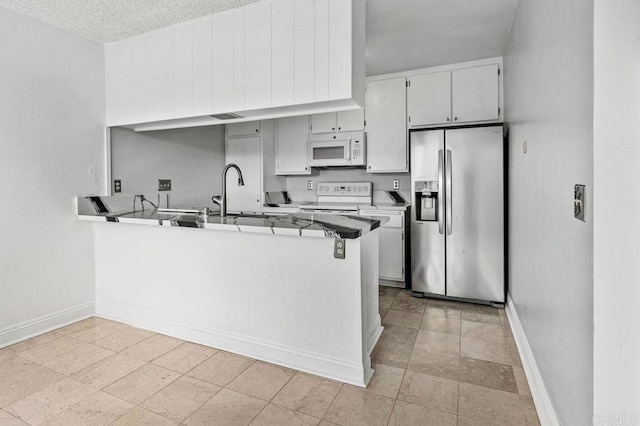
(338, 152)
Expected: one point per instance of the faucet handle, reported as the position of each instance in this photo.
(217, 199)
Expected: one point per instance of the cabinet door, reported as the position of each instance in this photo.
(159, 72)
(292, 146)
(239, 64)
(391, 254)
(202, 67)
(350, 121)
(323, 123)
(246, 128)
(386, 113)
(429, 99)
(183, 71)
(476, 93)
(223, 62)
(118, 81)
(282, 47)
(340, 45)
(247, 154)
(321, 50)
(304, 48)
(258, 56)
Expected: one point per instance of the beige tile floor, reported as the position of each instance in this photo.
(437, 363)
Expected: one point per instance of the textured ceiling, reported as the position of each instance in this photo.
(108, 20)
(410, 34)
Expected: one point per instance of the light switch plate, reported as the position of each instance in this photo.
(339, 248)
(579, 202)
(164, 184)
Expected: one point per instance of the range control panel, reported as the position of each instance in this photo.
(344, 188)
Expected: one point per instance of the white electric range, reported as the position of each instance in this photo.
(341, 198)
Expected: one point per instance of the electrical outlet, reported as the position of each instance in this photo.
(164, 184)
(396, 184)
(117, 186)
(339, 248)
(309, 185)
(579, 202)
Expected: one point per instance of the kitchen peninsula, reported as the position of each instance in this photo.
(267, 287)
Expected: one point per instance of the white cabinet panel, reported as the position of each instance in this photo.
(138, 95)
(429, 99)
(476, 93)
(258, 56)
(118, 81)
(392, 247)
(183, 70)
(323, 123)
(247, 154)
(292, 146)
(239, 60)
(247, 128)
(321, 50)
(282, 52)
(350, 121)
(159, 71)
(304, 80)
(340, 55)
(202, 67)
(386, 125)
(223, 62)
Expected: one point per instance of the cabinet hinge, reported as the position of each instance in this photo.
(408, 84)
(498, 71)
(498, 111)
(365, 123)
(409, 119)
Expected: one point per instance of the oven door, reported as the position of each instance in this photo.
(330, 153)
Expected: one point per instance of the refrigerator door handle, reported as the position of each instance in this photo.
(449, 193)
(440, 192)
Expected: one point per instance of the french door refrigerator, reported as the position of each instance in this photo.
(457, 223)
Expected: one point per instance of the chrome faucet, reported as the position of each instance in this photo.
(222, 200)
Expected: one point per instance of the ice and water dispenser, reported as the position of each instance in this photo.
(426, 200)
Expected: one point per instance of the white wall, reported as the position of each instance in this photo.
(192, 158)
(52, 108)
(548, 81)
(617, 210)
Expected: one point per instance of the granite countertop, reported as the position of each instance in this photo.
(298, 224)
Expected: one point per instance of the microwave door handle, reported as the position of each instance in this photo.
(347, 151)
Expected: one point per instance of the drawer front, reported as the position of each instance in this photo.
(395, 218)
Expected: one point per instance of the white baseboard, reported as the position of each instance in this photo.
(28, 329)
(541, 399)
(335, 368)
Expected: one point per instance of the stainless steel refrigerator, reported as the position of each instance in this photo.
(457, 219)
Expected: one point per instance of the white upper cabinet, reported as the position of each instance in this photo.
(386, 114)
(282, 52)
(202, 67)
(324, 123)
(350, 121)
(341, 121)
(430, 99)
(475, 93)
(461, 94)
(222, 62)
(244, 128)
(262, 58)
(292, 146)
(258, 56)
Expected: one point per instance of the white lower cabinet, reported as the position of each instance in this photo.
(292, 146)
(392, 247)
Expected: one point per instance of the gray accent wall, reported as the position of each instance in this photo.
(548, 86)
(193, 158)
